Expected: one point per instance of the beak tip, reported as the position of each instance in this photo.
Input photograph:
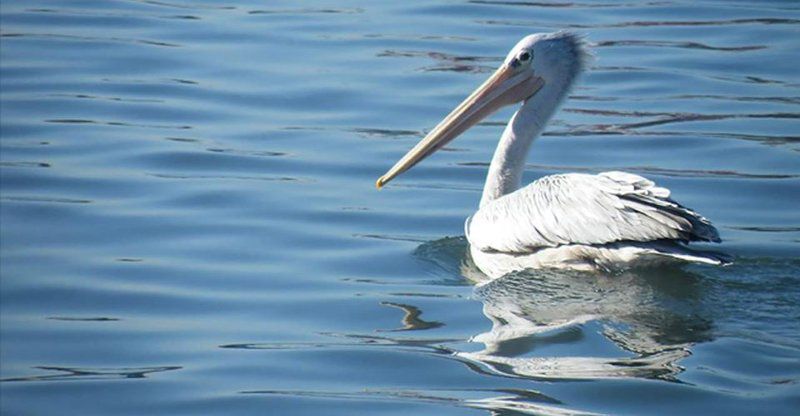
(379, 183)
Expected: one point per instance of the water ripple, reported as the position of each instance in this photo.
(355, 10)
(763, 229)
(445, 61)
(651, 170)
(81, 319)
(567, 4)
(90, 39)
(676, 44)
(106, 98)
(94, 13)
(75, 373)
(230, 177)
(186, 6)
(646, 23)
(45, 199)
(508, 400)
(115, 123)
(25, 164)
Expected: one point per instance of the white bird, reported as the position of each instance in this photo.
(571, 220)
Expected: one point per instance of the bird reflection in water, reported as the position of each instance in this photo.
(645, 322)
(651, 318)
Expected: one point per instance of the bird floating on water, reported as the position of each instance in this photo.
(571, 220)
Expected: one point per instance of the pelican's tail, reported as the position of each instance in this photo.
(672, 250)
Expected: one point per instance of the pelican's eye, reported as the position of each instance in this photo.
(524, 57)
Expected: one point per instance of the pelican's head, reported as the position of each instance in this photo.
(555, 57)
(536, 61)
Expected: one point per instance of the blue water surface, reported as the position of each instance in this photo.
(189, 224)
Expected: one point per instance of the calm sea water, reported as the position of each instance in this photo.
(189, 223)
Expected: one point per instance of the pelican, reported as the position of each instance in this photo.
(573, 220)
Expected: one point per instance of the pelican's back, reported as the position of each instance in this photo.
(582, 209)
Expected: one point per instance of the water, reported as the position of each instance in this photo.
(190, 225)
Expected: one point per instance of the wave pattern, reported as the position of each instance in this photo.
(188, 222)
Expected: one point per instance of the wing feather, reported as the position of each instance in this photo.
(584, 209)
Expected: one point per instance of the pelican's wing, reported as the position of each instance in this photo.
(584, 209)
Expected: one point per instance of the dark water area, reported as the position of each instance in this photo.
(189, 224)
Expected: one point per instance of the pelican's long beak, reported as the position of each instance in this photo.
(508, 85)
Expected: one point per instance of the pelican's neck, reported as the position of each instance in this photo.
(508, 163)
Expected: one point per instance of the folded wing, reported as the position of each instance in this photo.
(584, 209)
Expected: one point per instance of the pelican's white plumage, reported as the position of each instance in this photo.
(569, 220)
(582, 221)
(576, 208)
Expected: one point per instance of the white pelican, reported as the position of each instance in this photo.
(571, 220)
